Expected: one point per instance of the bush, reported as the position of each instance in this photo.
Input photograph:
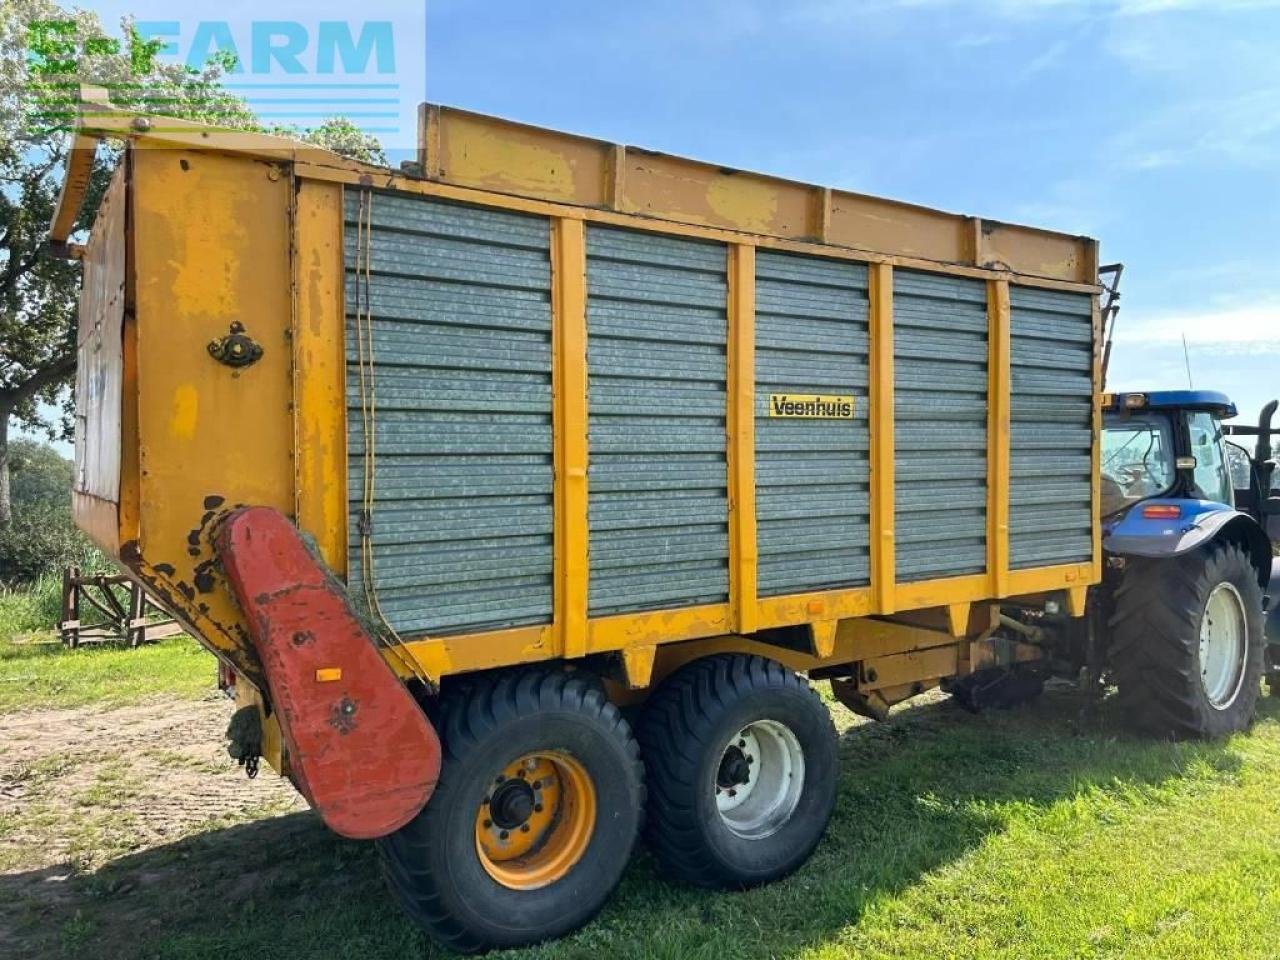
(41, 540)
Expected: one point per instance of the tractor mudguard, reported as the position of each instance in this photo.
(1133, 534)
(361, 750)
(1271, 627)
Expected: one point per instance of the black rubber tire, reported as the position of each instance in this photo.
(1155, 642)
(682, 734)
(432, 864)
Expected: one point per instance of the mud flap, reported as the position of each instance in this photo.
(362, 751)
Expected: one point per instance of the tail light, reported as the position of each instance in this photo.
(1162, 511)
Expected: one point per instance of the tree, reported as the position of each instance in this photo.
(38, 293)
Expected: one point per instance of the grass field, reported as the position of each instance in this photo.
(1007, 835)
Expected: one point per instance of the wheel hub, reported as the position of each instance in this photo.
(536, 820)
(511, 804)
(759, 779)
(735, 769)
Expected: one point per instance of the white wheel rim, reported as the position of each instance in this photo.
(758, 779)
(1223, 646)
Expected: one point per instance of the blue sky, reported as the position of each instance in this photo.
(1153, 125)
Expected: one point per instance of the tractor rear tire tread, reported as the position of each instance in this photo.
(1155, 630)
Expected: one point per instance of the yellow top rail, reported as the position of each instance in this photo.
(488, 153)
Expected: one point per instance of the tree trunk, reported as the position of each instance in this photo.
(6, 507)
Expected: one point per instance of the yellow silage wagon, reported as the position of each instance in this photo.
(451, 465)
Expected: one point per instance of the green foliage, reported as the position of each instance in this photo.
(38, 474)
(42, 539)
(343, 137)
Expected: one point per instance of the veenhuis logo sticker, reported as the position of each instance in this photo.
(811, 406)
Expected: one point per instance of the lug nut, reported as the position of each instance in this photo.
(741, 744)
(488, 824)
(503, 834)
(537, 808)
(524, 828)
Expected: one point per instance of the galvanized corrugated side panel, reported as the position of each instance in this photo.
(657, 490)
(812, 500)
(462, 521)
(1050, 516)
(940, 425)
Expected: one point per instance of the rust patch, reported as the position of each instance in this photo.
(343, 716)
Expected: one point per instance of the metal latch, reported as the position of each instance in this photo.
(237, 348)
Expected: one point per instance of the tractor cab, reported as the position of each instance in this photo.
(1167, 450)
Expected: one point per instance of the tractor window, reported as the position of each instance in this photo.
(1212, 478)
(1137, 459)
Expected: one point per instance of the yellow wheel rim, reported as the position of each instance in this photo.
(536, 820)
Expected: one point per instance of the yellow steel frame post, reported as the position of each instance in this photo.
(999, 350)
(883, 578)
(319, 370)
(741, 416)
(569, 389)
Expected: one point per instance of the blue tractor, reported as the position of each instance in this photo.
(1181, 620)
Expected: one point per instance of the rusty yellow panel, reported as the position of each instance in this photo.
(319, 370)
(908, 668)
(476, 151)
(898, 229)
(1040, 253)
(491, 154)
(659, 626)
(211, 236)
(660, 185)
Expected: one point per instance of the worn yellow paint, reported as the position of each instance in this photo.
(1045, 579)
(904, 669)
(824, 638)
(201, 263)
(442, 656)
(741, 451)
(747, 203)
(999, 392)
(637, 662)
(882, 445)
(810, 607)
(657, 626)
(569, 386)
(319, 370)
(184, 412)
(1077, 598)
(958, 618)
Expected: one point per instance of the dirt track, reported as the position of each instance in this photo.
(82, 787)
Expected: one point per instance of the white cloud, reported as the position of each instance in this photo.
(1249, 329)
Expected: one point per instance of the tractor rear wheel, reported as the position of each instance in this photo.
(740, 756)
(1187, 643)
(536, 813)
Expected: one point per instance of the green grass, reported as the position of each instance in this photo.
(1007, 835)
(32, 609)
(43, 674)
